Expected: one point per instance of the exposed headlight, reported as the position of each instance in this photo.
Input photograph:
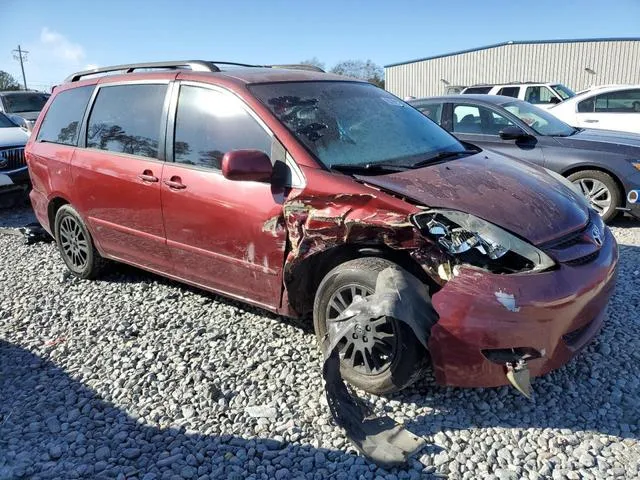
(477, 242)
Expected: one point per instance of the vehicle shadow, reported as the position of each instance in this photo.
(625, 221)
(596, 391)
(53, 426)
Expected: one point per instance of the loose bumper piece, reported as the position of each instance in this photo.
(403, 297)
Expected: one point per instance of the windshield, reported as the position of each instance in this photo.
(24, 102)
(539, 120)
(563, 91)
(5, 122)
(349, 123)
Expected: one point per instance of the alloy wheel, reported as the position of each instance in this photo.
(75, 246)
(368, 348)
(596, 192)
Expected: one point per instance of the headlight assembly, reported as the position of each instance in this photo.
(479, 243)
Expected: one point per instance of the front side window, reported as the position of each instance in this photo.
(541, 121)
(538, 95)
(587, 106)
(127, 119)
(622, 101)
(354, 123)
(478, 120)
(63, 118)
(24, 102)
(211, 123)
(432, 110)
(509, 91)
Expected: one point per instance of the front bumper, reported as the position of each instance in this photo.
(12, 178)
(556, 312)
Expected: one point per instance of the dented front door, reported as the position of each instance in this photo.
(214, 226)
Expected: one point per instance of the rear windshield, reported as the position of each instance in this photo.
(354, 123)
(5, 122)
(24, 102)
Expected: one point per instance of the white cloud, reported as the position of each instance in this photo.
(91, 66)
(61, 47)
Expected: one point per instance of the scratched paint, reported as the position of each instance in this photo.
(507, 300)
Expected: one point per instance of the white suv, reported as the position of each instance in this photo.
(544, 95)
(610, 107)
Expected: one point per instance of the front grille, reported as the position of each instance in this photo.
(584, 260)
(570, 240)
(12, 158)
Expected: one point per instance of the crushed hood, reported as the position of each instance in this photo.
(520, 197)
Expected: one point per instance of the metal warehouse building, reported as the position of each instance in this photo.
(576, 63)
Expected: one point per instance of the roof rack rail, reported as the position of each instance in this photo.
(194, 65)
(298, 66)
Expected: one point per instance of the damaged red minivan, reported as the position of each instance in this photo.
(292, 189)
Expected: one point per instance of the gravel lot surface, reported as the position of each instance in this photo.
(134, 376)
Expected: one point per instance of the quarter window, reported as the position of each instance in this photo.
(538, 95)
(62, 121)
(211, 123)
(127, 119)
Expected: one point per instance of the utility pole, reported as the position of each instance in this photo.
(21, 56)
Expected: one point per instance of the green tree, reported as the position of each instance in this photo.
(313, 61)
(364, 70)
(7, 82)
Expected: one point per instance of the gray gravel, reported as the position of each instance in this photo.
(134, 376)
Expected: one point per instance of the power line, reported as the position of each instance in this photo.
(21, 56)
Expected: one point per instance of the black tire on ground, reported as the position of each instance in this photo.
(614, 191)
(409, 360)
(87, 265)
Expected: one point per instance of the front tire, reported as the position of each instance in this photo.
(391, 358)
(601, 190)
(76, 245)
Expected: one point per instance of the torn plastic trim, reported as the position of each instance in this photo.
(401, 296)
(463, 236)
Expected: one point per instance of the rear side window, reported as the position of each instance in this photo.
(127, 119)
(509, 91)
(480, 90)
(63, 119)
(210, 124)
(622, 101)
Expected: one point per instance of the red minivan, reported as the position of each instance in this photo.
(292, 189)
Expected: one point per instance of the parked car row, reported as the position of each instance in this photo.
(293, 190)
(604, 165)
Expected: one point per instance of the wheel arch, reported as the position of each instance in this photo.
(303, 280)
(52, 209)
(579, 168)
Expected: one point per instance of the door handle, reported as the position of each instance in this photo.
(591, 120)
(175, 183)
(148, 176)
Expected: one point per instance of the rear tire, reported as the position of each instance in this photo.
(407, 361)
(76, 245)
(601, 191)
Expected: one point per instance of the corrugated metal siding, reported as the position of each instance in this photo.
(612, 61)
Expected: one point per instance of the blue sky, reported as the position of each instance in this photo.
(68, 35)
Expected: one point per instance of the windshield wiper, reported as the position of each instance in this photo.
(440, 156)
(368, 167)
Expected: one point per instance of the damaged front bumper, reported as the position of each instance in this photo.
(484, 315)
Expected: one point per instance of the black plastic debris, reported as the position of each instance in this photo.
(401, 296)
(31, 233)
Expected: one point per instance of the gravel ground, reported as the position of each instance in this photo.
(134, 376)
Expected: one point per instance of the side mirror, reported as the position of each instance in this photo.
(554, 100)
(247, 165)
(512, 133)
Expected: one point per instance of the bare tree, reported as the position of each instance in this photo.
(364, 70)
(7, 82)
